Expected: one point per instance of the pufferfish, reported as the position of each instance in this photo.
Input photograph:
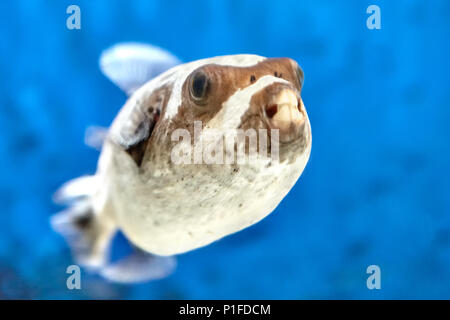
(165, 208)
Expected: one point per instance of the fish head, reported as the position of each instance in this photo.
(265, 95)
(203, 203)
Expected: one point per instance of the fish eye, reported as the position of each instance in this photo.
(199, 86)
(300, 76)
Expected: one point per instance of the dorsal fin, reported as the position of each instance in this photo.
(130, 65)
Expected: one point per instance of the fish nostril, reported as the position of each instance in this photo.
(271, 110)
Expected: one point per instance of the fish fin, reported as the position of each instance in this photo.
(129, 65)
(75, 189)
(94, 136)
(87, 236)
(140, 266)
(138, 122)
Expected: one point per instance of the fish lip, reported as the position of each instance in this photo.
(267, 111)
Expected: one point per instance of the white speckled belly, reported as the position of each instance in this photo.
(181, 208)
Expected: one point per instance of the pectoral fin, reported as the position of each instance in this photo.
(140, 266)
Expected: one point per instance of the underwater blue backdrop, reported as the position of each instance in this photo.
(376, 189)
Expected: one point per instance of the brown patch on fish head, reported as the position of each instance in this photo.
(207, 88)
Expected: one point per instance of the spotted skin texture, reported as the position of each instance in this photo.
(167, 209)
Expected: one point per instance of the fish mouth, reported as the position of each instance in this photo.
(285, 112)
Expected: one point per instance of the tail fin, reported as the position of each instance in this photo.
(87, 236)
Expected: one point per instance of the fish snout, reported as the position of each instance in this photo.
(286, 112)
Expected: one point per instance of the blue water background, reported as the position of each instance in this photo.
(376, 189)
